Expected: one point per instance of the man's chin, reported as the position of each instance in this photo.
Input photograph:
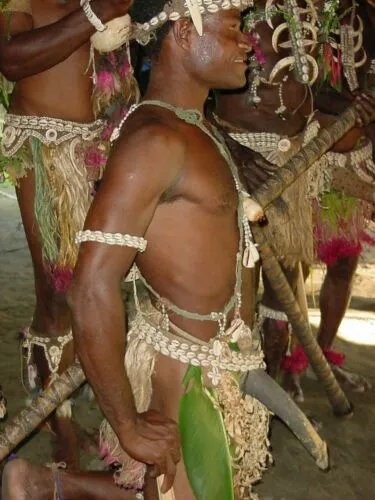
(234, 84)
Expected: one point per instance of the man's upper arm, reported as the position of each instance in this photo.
(142, 166)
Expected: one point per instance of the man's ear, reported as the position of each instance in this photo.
(182, 30)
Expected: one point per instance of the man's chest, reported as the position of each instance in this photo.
(49, 11)
(210, 180)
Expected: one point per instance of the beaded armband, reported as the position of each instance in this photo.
(123, 240)
(91, 16)
(266, 312)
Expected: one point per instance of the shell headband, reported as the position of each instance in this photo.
(176, 9)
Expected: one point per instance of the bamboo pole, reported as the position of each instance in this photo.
(41, 407)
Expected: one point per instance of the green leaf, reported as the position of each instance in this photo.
(205, 447)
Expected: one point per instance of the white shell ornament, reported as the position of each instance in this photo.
(116, 34)
(196, 16)
(284, 145)
(252, 210)
(250, 256)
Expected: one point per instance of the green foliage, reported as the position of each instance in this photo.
(205, 447)
(3, 4)
(331, 20)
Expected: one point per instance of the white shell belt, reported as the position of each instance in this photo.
(199, 354)
(266, 142)
(17, 129)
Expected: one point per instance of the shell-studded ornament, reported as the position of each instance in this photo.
(235, 329)
(284, 145)
(117, 34)
(252, 210)
(250, 256)
(9, 134)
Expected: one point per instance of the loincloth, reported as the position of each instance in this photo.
(60, 153)
(340, 221)
(290, 228)
(245, 418)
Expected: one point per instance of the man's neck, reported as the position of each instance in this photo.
(176, 88)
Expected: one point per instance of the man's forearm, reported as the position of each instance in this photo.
(31, 52)
(99, 335)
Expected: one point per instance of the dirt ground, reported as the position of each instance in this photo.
(294, 475)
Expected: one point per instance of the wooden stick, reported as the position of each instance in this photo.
(299, 163)
(301, 292)
(300, 325)
(41, 407)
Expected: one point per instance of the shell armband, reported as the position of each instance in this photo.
(124, 240)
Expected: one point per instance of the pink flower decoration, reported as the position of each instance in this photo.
(107, 131)
(124, 69)
(297, 362)
(106, 81)
(112, 58)
(95, 157)
(60, 277)
(334, 358)
(254, 41)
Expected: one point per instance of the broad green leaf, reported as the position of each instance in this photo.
(204, 442)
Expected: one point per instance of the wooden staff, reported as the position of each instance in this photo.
(300, 162)
(41, 407)
(301, 327)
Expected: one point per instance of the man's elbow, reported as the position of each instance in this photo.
(11, 70)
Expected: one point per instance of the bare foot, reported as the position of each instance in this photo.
(23, 481)
(291, 383)
(350, 380)
(353, 381)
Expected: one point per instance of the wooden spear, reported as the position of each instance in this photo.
(41, 407)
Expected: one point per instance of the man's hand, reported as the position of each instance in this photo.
(154, 440)
(365, 106)
(107, 10)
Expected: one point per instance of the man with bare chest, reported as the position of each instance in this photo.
(49, 128)
(275, 116)
(171, 201)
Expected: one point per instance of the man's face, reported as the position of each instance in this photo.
(218, 57)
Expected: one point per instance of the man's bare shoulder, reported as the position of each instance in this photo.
(153, 137)
(149, 156)
(155, 127)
